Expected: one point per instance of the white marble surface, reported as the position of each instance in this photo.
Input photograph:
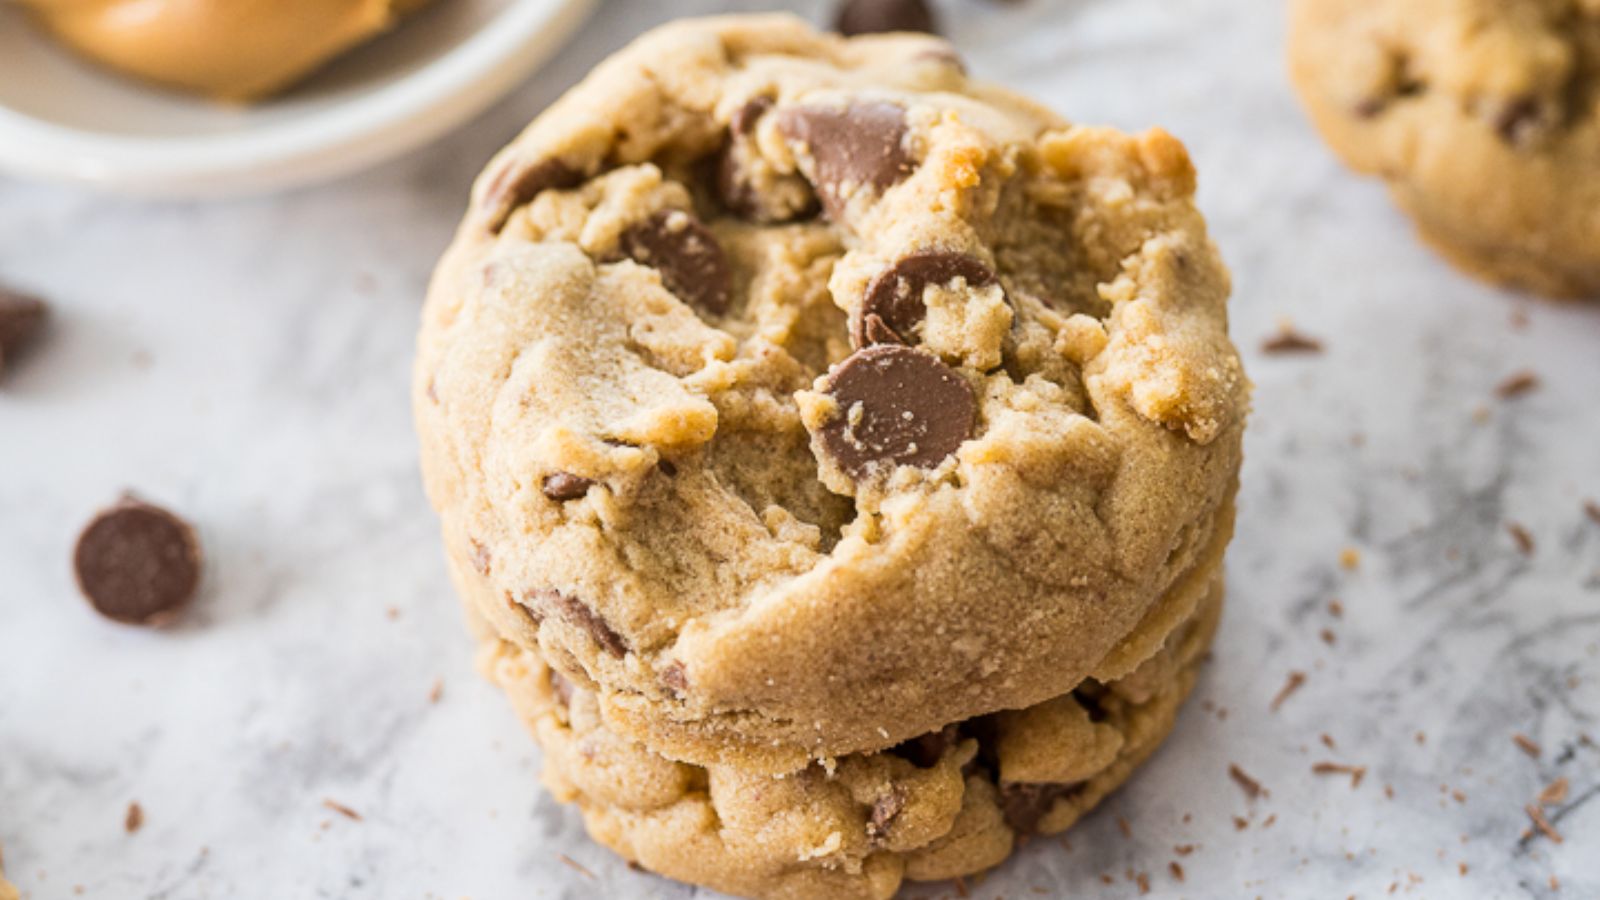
(246, 363)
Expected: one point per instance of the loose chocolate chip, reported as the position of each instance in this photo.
(861, 145)
(566, 486)
(520, 182)
(687, 255)
(876, 16)
(667, 468)
(897, 406)
(1025, 804)
(884, 809)
(137, 563)
(895, 295)
(580, 615)
(561, 687)
(21, 316)
(924, 751)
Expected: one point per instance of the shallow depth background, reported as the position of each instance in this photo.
(247, 363)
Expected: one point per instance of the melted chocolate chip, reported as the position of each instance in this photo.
(896, 406)
(564, 486)
(519, 182)
(137, 563)
(783, 199)
(877, 16)
(580, 615)
(1025, 804)
(924, 751)
(895, 296)
(859, 146)
(687, 255)
(884, 809)
(21, 317)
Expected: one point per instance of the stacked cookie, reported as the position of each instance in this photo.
(835, 455)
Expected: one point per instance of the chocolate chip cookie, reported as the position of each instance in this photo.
(796, 398)
(1482, 115)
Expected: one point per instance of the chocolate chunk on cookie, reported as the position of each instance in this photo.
(687, 255)
(1025, 804)
(896, 406)
(21, 317)
(875, 16)
(137, 563)
(894, 298)
(862, 145)
(747, 185)
(519, 183)
(577, 613)
(566, 486)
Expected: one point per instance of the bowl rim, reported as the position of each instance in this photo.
(399, 116)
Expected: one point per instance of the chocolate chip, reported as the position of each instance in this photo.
(137, 563)
(1519, 120)
(561, 687)
(876, 16)
(895, 295)
(667, 468)
(1025, 804)
(21, 317)
(687, 255)
(745, 117)
(581, 616)
(481, 560)
(897, 406)
(566, 486)
(676, 677)
(884, 809)
(519, 182)
(924, 751)
(859, 146)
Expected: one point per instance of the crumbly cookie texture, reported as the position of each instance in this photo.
(797, 395)
(950, 803)
(1482, 115)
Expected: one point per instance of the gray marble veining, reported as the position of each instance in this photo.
(246, 363)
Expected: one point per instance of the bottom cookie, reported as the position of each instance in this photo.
(949, 803)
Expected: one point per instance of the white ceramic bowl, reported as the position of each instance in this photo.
(62, 118)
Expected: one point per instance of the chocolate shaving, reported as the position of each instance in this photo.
(341, 809)
(1295, 681)
(1356, 773)
(1251, 787)
(1542, 823)
(1517, 384)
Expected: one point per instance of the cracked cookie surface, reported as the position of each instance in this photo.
(794, 395)
(1483, 116)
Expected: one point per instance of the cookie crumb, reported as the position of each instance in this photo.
(1240, 823)
(1176, 870)
(575, 866)
(1251, 787)
(1294, 682)
(1522, 537)
(1463, 869)
(1327, 741)
(341, 809)
(1288, 340)
(1527, 745)
(1143, 881)
(1336, 609)
(1124, 827)
(1183, 849)
(1543, 824)
(1328, 637)
(436, 693)
(1350, 559)
(134, 820)
(1517, 384)
(1592, 510)
(1356, 773)
(1555, 883)
(1554, 793)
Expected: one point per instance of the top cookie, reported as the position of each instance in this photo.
(801, 395)
(1482, 115)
